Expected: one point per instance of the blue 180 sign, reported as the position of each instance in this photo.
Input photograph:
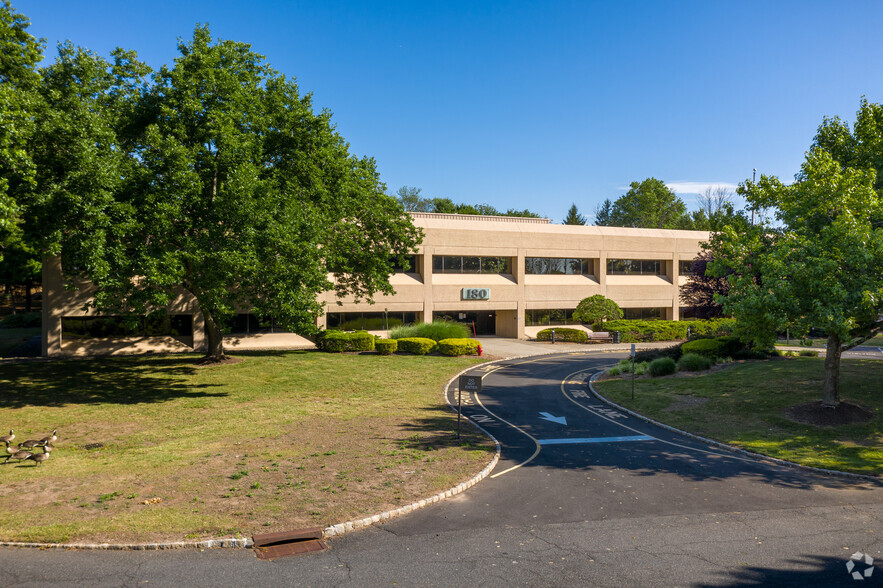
(476, 293)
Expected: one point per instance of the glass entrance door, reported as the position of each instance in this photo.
(485, 321)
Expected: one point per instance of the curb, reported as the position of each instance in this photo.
(744, 452)
(350, 526)
(230, 542)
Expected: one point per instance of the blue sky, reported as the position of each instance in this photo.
(537, 104)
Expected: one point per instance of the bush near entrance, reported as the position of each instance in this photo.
(338, 341)
(563, 334)
(386, 346)
(416, 345)
(455, 347)
(658, 330)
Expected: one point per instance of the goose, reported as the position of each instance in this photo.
(38, 458)
(8, 438)
(19, 455)
(30, 444)
(10, 450)
(50, 439)
(48, 447)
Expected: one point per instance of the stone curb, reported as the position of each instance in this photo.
(230, 542)
(739, 450)
(349, 526)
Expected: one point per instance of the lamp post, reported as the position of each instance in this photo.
(386, 319)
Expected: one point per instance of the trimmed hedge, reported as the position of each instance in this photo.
(458, 346)
(436, 330)
(640, 331)
(416, 345)
(663, 366)
(713, 348)
(693, 362)
(564, 334)
(21, 320)
(339, 341)
(386, 346)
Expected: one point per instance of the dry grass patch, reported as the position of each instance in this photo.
(278, 441)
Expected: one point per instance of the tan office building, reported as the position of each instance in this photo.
(504, 276)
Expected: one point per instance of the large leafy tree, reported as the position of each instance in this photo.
(237, 192)
(647, 204)
(820, 266)
(703, 292)
(19, 106)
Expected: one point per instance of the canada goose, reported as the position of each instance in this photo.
(10, 450)
(50, 439)
(30, 444)
(38, 458)
(8, 438)
(48, 448)
(19, 455)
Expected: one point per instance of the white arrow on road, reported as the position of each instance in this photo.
(547, 417)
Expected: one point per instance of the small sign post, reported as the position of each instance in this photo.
(470, 384)
(633, 370)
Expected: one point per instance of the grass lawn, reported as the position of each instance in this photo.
(743, 405)
(280, 441)
(12, 338)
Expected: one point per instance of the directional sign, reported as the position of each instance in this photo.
(470, 383)
(547, 417)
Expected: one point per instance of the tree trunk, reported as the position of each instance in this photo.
(214, 338)
(831, 393)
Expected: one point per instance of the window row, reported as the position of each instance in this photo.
(549, 317)
(557, 265)
(369, 321)
(646, 267)
(464, 264)
(88, 327)
(643, 314)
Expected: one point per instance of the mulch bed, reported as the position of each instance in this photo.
(813, 413)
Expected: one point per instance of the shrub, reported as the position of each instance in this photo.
(648, 355)
(638, 331)
(338, 341)
(416, 345)
(386, 346)
(710, 348)
(436, 330)
(625, 367)
(564, 334)
(21, 321)
(663, 366)
(721, 327)
(693, 362)
(808, 353)
(458, 346)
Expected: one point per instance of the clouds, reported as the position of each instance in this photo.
(698, 187)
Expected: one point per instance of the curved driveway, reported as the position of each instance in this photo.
(582, 495)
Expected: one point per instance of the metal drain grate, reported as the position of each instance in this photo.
(288, 543)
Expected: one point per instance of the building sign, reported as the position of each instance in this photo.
(476, 294)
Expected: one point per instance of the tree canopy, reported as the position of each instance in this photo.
(703, 291)
(647, 204)
(574, 217)
(597, 309)
(821, 266)
(214, 176)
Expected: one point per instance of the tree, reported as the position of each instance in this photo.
(574, 217)
(703, 292)
(649, 204)
(821, 267)
(447, 206)
(597, 309)
(603, 212)
(236, 192)
(411, 200)
(19, 104)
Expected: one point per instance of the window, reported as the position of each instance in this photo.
(557, 265)
(410, 265)
(87, 327)
(464, 264)
(623, 267)
(368, 321)
(685, 268)
(549, 317)
(643, 314)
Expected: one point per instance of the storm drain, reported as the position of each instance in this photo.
(288, 543)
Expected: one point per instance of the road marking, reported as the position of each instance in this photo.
(547, 417)
(596, 440)
(672, 443)
(481, 418)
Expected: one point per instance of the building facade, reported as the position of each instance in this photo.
(504, 276)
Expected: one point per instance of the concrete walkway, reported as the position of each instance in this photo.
(502, 347)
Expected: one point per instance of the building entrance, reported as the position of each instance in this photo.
(485, 321)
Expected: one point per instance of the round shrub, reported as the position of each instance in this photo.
(663, 366)
(563, 334)
(416, 345)
(339, 341)
(458, 346)
(808, 353)
(710, 348)
(693, 362)
(386, 346)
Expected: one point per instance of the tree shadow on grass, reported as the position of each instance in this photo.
(439, 429)
(101, 380)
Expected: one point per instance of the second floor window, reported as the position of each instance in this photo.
(463, 264)
(557, 265)
(624, 267)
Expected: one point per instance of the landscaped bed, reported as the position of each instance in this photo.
(279, 441)
(758, 405)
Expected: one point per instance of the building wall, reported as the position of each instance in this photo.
(424, 292)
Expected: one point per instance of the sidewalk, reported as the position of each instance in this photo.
(508, 348)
